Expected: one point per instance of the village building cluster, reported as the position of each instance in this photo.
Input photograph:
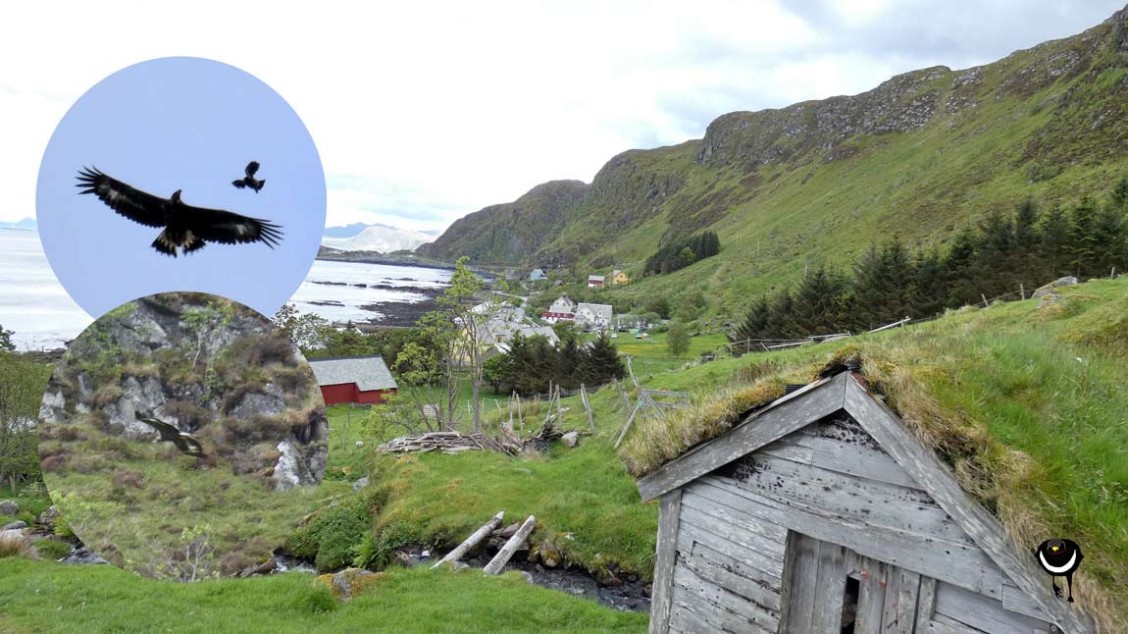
(595, 317)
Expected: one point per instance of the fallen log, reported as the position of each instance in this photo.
(472, 540)
(503, 556)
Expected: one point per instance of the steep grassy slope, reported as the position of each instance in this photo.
(919, 156)
(507, 233)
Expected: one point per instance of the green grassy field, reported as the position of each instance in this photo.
(42, 597)
(1027, 401)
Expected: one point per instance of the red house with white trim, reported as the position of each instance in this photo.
(364, 380)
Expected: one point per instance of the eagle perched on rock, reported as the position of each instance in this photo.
(184, 442)
(249, 179)
(185, 227)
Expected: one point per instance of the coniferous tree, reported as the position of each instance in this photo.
(571, 362)
(883, 285)
(995, 245)
(867, 287)
(755, 325)
(959, 269)
(1120, 193)
(1082, 238)
(820, 302)
(1024, 261)
(781, 319)
(603, 362)
(929, 285)
(897, 277)
(1053, 248)
(1108, 242)
(524, 365)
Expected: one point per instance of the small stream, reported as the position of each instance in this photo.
(631, 595)
(628, 596)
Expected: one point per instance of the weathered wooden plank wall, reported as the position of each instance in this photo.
(728, 570)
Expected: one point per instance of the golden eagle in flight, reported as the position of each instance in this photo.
(185, 227)
(170, 433)
(249, 179)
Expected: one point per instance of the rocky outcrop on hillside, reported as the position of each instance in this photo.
(749, 139)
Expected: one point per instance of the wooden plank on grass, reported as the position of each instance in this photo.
(472, 540)
(502, 557)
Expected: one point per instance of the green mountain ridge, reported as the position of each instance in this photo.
(919, 156)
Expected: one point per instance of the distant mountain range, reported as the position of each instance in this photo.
(921, 156)
(377, 237)
(27, 224)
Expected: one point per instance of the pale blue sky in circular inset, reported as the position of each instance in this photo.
(191, 124)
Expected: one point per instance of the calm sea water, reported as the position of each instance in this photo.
(36, 307)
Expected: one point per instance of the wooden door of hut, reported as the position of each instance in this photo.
(834, 590)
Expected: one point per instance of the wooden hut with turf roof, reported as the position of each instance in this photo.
(822, 513)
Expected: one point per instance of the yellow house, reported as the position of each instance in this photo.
(619, 277)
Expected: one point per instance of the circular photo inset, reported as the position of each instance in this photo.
(178, 174)
(179, 434)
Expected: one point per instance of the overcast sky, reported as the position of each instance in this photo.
(424, 113)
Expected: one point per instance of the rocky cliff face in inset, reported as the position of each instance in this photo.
(213, 369)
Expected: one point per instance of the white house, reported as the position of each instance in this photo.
(595, 281)
(594, 316)
(563, 309)
(502, 331)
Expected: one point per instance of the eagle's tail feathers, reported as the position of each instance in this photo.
(163, 245)
(195, 244)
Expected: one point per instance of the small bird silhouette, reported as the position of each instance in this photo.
(249, 179)
(184, 442)
(1059, 558)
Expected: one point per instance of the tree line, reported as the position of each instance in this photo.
(681, 253)
(22, 381)
(1001, 254)
(533, 364)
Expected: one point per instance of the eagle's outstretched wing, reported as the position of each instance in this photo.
(225, 227)
(190, 445)
(183, 442)
(138, 206)
(252, 167)
(168, 432)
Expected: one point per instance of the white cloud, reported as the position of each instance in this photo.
(424, 113)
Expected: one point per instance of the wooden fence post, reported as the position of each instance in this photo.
(587, 407)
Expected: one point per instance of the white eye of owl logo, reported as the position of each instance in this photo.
(1059, 558)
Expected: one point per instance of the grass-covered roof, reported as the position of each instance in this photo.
(1027, 401)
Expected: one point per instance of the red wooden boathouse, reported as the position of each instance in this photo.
(362, 380)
